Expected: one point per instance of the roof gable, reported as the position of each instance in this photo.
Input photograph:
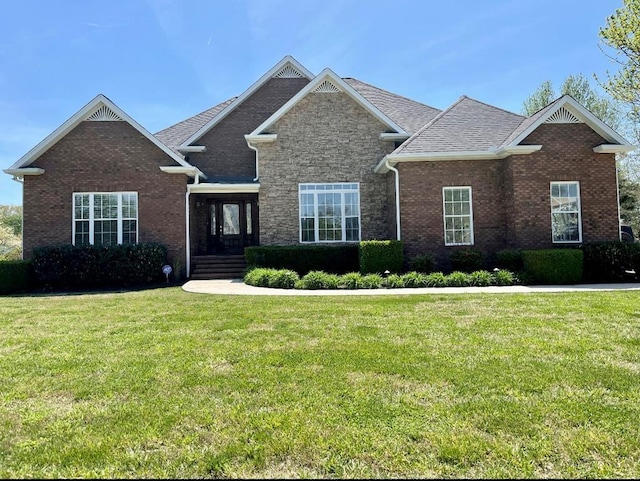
(325, 83)
(565, 109)
(288, 67)
(98, 109)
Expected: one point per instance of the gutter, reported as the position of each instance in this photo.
(255, 149)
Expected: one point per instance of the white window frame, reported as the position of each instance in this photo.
(311, 190)
(92, 218)
(470, 215)
(579, 211)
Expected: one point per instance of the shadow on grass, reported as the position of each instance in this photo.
(41, 292)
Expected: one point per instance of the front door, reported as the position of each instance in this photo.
(230, 226)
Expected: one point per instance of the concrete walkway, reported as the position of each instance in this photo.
(237, 287)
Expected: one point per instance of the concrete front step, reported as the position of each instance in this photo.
(218, 267)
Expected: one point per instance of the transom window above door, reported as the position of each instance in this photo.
(329, 212)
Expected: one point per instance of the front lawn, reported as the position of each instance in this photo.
(164, 383)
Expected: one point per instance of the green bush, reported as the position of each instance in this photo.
(467, 260)
(480, 279)
(422, 263)
(318, 280)
(458, 279)
(395, 281)
(416, 279)
(607, 261)
(283, 278)
(351, 280)
(258, 277)
(305, 258)
(509, 259)
(503, 278)
(378, 256)
(15, 276)
(80, 267)
(553, 266)
(436, 279)
(372, 281)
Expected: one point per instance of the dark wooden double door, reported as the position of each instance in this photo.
(232, 225)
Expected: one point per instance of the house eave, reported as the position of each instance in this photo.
(263, 138)
(20, 173)
(222, 188)
(192, 148)
(393, 137)
(614, 149)
(501, 153)
(190, 171)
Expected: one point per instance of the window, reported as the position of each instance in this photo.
(565, 212)
(105, 218)
(329, 212)
(458, 216)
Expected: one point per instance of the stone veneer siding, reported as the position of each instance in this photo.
(511, 198)
(325, 138)
(105, 157)
(228, 155)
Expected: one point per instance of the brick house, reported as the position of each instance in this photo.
(299, 159)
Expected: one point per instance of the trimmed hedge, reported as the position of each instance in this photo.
(510, 259)
(81, 267)
(467, 260)
(14, 276)
(553, 266)
(303, 259)
(422, 263)
(377, 256)
(607, 261)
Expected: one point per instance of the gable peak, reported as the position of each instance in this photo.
(327, 86)
(563, 116)
(103, 114)
(289, 71)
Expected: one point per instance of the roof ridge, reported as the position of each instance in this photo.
(429, 124)
(389, 92)
(195, 115)
(495, 107)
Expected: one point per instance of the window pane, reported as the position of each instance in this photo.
(105, 232)
(82, 233)
(231, 219)
(458, 224)
(249, 221)
(129, 232)
(565, 212)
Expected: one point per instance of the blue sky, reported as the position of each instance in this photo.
(164, 60)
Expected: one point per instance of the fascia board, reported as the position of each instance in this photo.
(327, 74)
(246, 94)
(614, 149)
(24, 171)
(214, 188)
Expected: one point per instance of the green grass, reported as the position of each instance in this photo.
(164, 383)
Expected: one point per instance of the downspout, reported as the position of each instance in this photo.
(188, 250)
(618, 198)
(397, 179)
(256, 151)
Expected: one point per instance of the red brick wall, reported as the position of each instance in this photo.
(105, 157)
(511, 200)
(227, 152)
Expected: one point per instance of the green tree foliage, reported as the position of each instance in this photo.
(10, 232)
(579, 87)
(621, 37)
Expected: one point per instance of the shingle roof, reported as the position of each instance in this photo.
(467, 125)
(407, 113)
(176, 134)
(528, 121)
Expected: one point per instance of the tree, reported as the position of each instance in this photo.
(10, 232)
(579, 87)
(622, 36)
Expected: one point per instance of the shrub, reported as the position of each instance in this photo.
(553, 266)
(607, 261)
(378, 256)
(422, 263)
(503, 278)
(480, 278)
(319, 280)
(467, 260)
(283, 278)
(436, 279)
(509, 259)
(415, 279)
(258, 277)
(372, 281)
(14, 276)
(67, 266)
(351, 280)
(305, 258)
(395, 281)
(458, 279)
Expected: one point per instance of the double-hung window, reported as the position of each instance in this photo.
(458, 216)
(566, 225)
(105, 218)
(329, 212)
